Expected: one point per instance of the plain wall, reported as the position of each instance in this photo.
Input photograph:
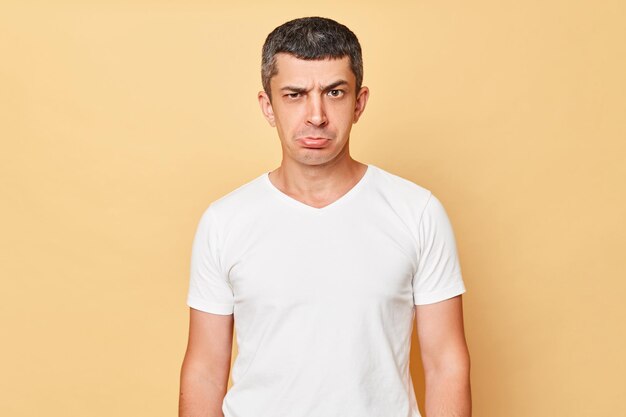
(121, 121)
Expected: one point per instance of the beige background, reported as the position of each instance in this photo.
(120, 122)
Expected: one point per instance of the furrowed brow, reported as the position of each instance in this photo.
(335, 85)
(293, 89)
(296, 89)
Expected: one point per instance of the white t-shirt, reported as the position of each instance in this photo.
(323, 298)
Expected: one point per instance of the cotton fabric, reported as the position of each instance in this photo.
(323, 298)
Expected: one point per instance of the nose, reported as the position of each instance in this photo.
(316, 115)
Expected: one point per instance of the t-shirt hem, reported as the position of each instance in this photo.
(440, 295)
(215, 308)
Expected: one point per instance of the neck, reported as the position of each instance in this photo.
(317, 184)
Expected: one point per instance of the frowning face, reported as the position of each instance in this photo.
(313, 107)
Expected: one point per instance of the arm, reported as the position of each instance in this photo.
(206, 366)
(445, 358)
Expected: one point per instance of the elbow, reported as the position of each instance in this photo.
(455, 362)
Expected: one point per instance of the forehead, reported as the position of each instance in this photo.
(296, 71)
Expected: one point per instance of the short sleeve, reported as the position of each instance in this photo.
(438, 275)
(209, 288)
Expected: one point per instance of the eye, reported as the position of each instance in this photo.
(335, 93)
(293, 95)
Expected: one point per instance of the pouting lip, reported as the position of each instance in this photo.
(312, 138)
(313, 142)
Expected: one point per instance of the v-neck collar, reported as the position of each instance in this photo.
(338, 202)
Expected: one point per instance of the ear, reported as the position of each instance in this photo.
(266, 108)
(361, 101)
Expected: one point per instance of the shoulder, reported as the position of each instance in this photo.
(239, 203)
(405, 195)
(249, 191)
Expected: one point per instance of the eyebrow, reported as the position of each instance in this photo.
(335, 85)
(331, 86)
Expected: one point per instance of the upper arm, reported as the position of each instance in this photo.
(438, 275)
(209, 347)
(437, 288)
(211, 301)
(441, 335)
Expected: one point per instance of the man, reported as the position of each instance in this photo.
(322, 263)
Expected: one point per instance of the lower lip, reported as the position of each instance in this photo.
(314, 143)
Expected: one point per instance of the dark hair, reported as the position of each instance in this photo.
(311, 38)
